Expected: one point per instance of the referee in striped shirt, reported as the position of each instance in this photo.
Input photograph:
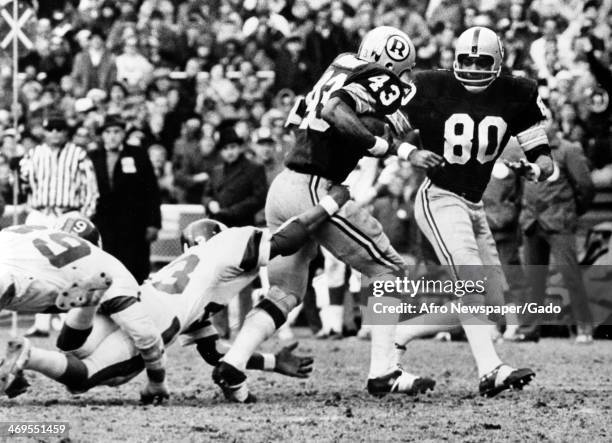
(59, 179)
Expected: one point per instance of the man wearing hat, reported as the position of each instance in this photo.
(128, 212)
(236, 192)
(58, 177)
(238, 186)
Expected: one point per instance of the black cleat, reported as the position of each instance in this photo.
(490, 387)
(399, 382)
(232, 382)
(18, 386)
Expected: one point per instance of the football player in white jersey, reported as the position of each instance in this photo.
(48, 270)
(180, 298)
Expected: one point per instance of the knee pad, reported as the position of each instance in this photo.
(277, 304)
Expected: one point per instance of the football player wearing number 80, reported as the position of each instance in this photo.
(330, 140)
(179, 300)
(465, 118)
(52, 270)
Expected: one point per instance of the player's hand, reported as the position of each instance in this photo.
(154, 393)
(214, 207)
(292, 365)
(523, 168)
(340, 194)
(422, 158)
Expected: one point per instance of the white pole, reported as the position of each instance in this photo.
(16, 128)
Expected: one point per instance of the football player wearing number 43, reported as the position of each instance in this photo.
(465, 118)
(54, 270)
(179, 300)
(330, 140)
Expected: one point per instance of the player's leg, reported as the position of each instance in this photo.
(446, 220)
(332, 312)
(354, 236)
(59, 366)
(288, 196)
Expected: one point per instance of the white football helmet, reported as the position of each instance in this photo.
(389, 47)
(481, 45)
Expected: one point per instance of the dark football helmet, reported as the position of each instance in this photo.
(79, 226)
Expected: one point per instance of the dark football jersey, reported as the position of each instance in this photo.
(470, 130)
(319, 149)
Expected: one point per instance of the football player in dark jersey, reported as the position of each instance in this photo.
(330, 140)
(466, 116)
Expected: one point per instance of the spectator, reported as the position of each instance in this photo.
(237, 187)
(163, 172)
(6, 183)
(94, 66)
(502, 202)
(548, 222)
(600, 109)
(291, 67)
(128, 212)
(59, 178)
(132, 67)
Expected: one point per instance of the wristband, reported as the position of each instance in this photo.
(269, 361)
(329, 204)
(405, 149)
(381, 146)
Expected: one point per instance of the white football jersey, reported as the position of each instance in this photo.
(185, 293)
(36, 263)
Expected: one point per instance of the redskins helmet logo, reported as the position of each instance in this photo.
(397, 48)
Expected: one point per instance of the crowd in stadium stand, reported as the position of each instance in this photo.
(175, 70)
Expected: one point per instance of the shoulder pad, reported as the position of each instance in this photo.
(348, 61)
(522, 88)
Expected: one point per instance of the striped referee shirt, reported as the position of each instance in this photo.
(60, 179)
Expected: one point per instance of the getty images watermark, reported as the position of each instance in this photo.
(486, 294)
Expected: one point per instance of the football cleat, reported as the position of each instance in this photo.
(18, 386)
(399, 382)
(504, 377)
(17, 355)
(232, 382)
(87, 292)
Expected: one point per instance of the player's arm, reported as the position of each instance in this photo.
(292, 236)
(127, 312)
(537, 164)
(339, 113)
(283, 362)
(419, 158)
(530, 131)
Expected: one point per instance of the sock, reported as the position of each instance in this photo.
(257, 327)
(382, 352)
(479, 338)
(336, 317)
(425, 325)
(81, 318)
(53, 364)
